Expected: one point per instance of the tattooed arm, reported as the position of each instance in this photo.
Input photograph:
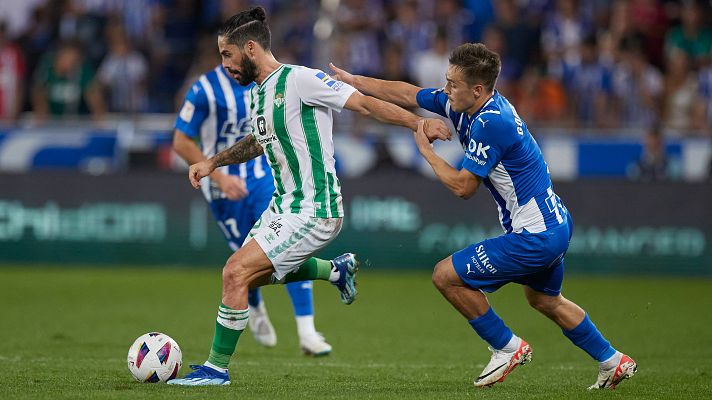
(244, 150)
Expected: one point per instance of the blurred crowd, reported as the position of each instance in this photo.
(604, 64)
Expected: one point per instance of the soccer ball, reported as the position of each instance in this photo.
(154, 357)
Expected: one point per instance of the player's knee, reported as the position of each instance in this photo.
(233, 273)
(440, 276)
(543, 303)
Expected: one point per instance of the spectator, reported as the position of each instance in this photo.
(411, 32)
(449, 15)
(298, 38)
(393, 67)
(702, 108)
(34, 42)
(359, 21)
(590, 87)
(75, 23)
(430, 66)
(561, 38)
(654, 164)
(651, 22)
(520, 37)
(637, 85)
(493, 38)
(12, 71)
(539, 98)
(692, 37)
(123, 74)
(482, 12)
(64, 85)
(680, 93)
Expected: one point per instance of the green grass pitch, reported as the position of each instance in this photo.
(64, 334)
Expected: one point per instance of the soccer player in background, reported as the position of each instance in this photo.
(291, 114)
(216, 113)
(500, 153)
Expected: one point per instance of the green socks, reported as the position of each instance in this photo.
(228, 327)
(313, 269)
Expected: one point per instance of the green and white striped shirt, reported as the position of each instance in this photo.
(292, 120)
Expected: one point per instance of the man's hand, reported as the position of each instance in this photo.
(199, 171)
(435, 129)
(341, 75)
(233, 186)
(421, 139)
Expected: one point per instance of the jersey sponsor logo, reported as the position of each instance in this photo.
(484, 259)
(476, 151)
(477, 160)
(262, 132)
(279, 100)
(187, 111)
(261, 125)
(276, 226)
(332, 83)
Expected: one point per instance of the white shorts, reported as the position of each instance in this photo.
(289, 240)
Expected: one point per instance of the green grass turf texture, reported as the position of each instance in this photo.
(64, 334)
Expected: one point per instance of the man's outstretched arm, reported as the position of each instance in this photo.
(462, 183)
(392, 114)
(240, 152)
(400, 93)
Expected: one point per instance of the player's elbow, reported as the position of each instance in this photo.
(364, 109)
(464, 193)
(466, 190)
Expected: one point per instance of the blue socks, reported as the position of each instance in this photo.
(589, 339)
(254, 297)
(299, 292)
(301, 295)
(492, 329)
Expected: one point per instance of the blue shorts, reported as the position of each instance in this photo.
(236, 217)
(532, 259)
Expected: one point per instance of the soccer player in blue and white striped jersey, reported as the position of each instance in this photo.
(215, 113)
(502, 155)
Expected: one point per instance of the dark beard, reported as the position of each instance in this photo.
(249, 71)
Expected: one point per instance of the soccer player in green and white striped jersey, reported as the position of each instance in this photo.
(291, 112)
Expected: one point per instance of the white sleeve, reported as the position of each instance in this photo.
(316, 88)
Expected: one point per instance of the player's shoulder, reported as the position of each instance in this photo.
(315, 79)
(498, 120)
(309, 74)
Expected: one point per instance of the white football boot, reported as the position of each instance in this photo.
(611, 377)
(502, 363)
(314, 345)
(261, 327)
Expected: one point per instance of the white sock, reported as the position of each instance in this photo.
(512, 345)
(305, 325)
(612, 362)
(215, 367)
(335, 274)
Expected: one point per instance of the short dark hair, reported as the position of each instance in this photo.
(247, 25)
(478, 63)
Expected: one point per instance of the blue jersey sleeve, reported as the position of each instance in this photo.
(434, 100)
(489, 141)
(194, 111)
